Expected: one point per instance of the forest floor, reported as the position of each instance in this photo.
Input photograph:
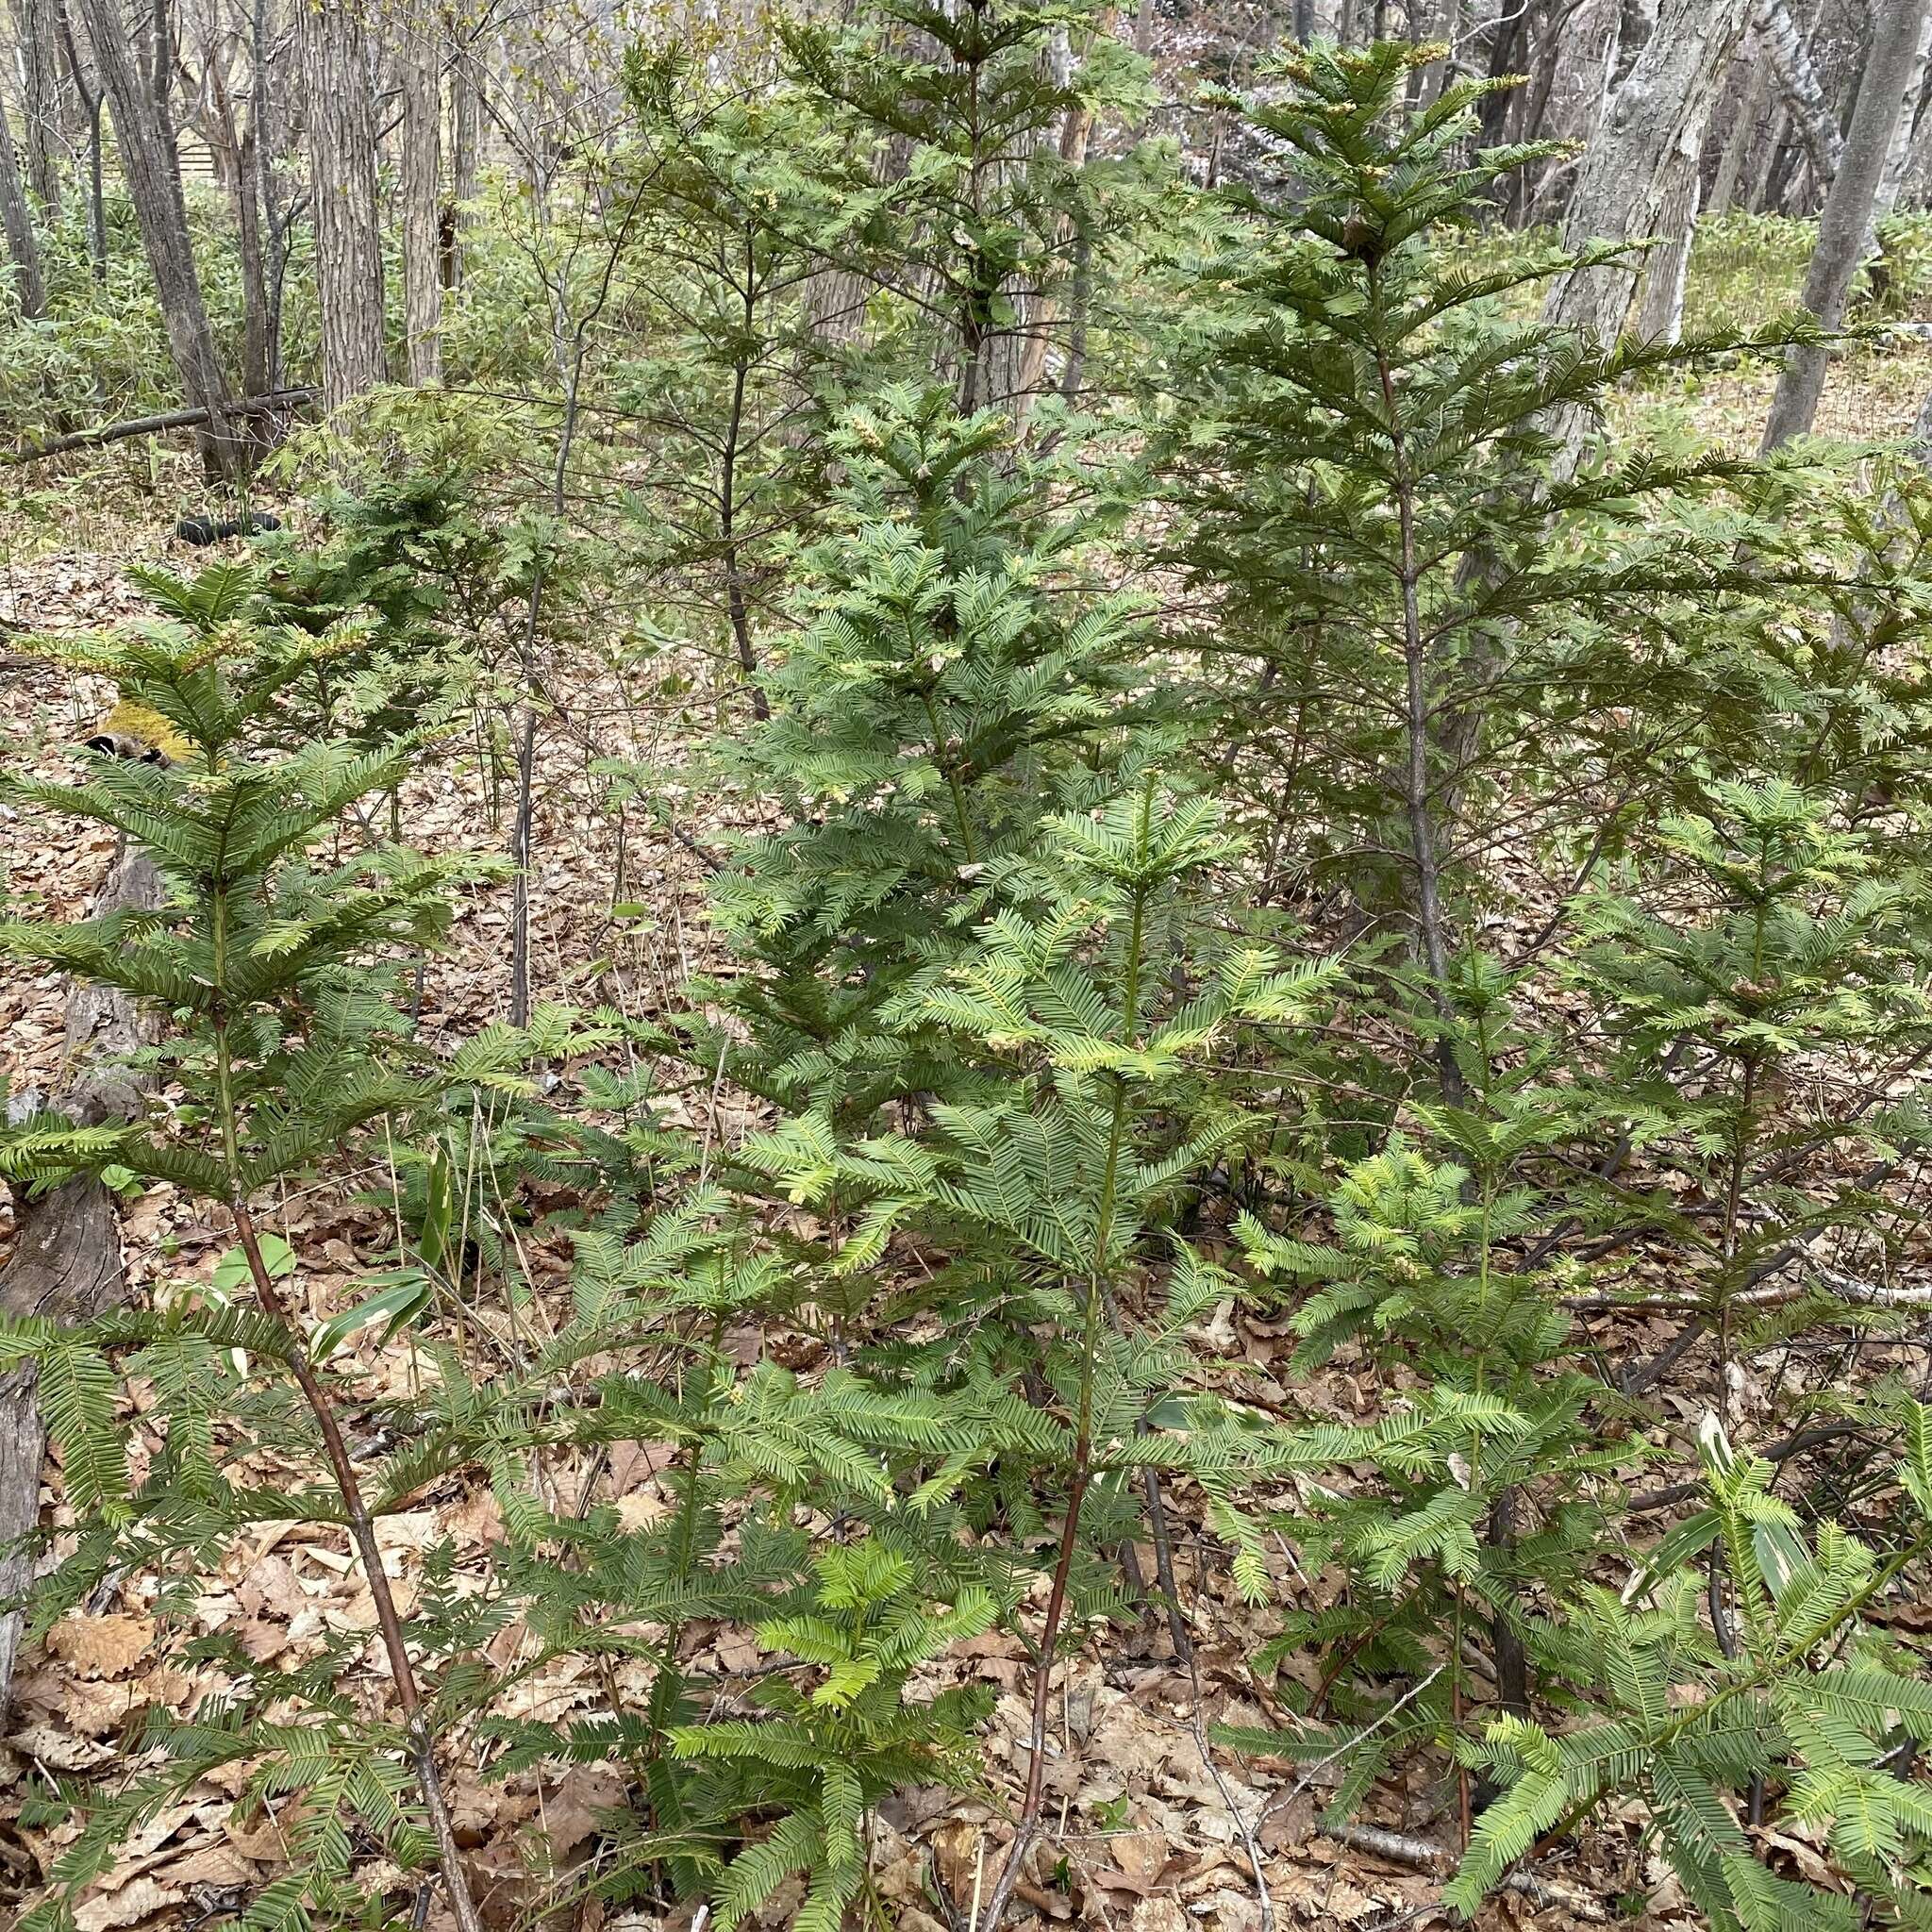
(1149, 1832)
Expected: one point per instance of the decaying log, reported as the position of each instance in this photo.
(66, 1261)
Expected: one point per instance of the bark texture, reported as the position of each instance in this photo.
(465, 107)
(1653, 132)
(154, 185)
(1660, 314)
(1742, 139)
(1845, 223)
(418, 69)
(1898, 159)
(16, 217)
(341, 165)
(44, 100)
(66, 1263)
(1812, 120)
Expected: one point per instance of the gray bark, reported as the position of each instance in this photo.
(418, 69)
(1653, 130)
(1846, 221)
(1743, 138)
(90, 98)
(465, 109)
(1660, 314)
(1898, 158)
(341, 168)
(66, 1264)
(16, 217)
(153, 184)
(1812, 120)
(43, 99)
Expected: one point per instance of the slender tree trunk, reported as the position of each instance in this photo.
(16, 217)
(419, 66)
(1847, 217)
(1654, 129)
(258, 347)
(1077, 135)
(1505, 38)
(43, 99)
(265, 129)
(342, 167)
(235, 147)
(1804, 95)
(154, 185)
(1787, 157)
(1526, 183)
(90, 98)
(1448, 29)
(1724, 189)
(161, 80)
(464, 105)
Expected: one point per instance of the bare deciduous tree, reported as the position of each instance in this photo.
(1812, 120)
(43, 100)
(154, 185)
(1846, 221)
(16, 217)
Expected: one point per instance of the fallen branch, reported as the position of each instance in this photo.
(1424, 1854)
(1779, 1451)
(155, 425)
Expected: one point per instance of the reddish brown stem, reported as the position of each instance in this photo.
(1029, 1828)
(362, 1532)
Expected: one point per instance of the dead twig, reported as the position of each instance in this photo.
(1424, 1854)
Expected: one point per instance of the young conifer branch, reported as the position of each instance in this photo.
(361, 1526)
(1093, 1323)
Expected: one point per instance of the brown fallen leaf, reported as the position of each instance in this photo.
(140, 1900)
(101, 1646)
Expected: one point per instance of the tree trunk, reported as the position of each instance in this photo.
(1505, 37)
(341, 168)
(16, 217)
(66, 1265)
(234, 148)
(1077, 135)
(1790, 64)
(43, 99)
(1898, 159)
(265, 129)
(1448, 29)
(1847, 217)
(1788, 157)
(419, 67)
(1724, 189)
(1661, 315)
(90, 97)
(465, 109)
(1653, 130)
(153, 184)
